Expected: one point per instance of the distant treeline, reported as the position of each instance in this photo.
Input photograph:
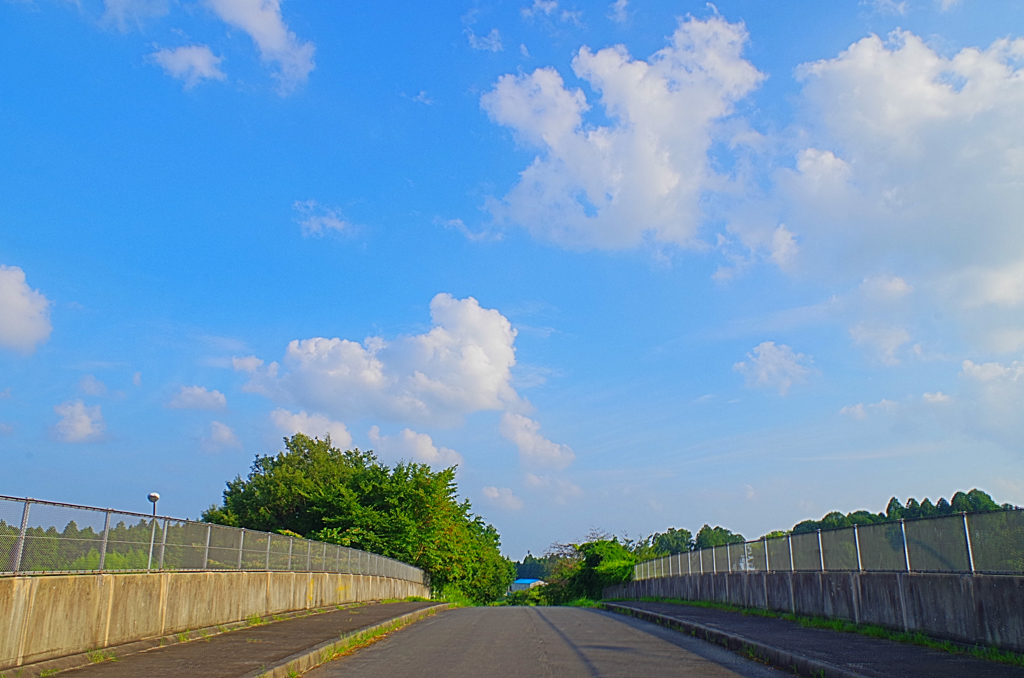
(680, 540)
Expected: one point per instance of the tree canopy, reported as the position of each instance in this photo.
(348, 497)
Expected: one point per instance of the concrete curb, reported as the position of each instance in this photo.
(775, 656)
(310, 658)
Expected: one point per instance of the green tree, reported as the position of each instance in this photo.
(709, 536)
(672, 541)
(408, 512)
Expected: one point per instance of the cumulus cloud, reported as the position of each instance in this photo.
(315, 219)
(485, 43)
(24, 312)
(220, 437)
(641, 176)
(79, 423)
(503, 498)
(246, 364)
(198, 398)
(774, 366)
(415, 446)
(262, 20)
(885, 288)
(463, 364)
(534, 449)
(884, 341)
(137, 379)
(561, 491)
(313, 425)
(993, 399)
(937, 397)
(191, 64)
(90, 385)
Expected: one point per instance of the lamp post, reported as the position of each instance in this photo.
(154, 497)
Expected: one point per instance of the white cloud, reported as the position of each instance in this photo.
(191, 64)
(775, 367)
(246, 364)
(884, 340)
(415, 446)
(937, 397)
(534, 449)
(860, 411)
(313, 425)
(463, 364)
(198, 398)
(890, 7)
(220, 437)
(885, 288)
(90, 385)
(916, 159)
(642, 176)
(539, 7)
(315, 219)
(617, 11)
(946, 5)
(24, 312)
(561, 491)
(487, 43)
(137, 379)
(262, 20)
(502, 497)
(993, 399)
(78, 423)
(125, 13)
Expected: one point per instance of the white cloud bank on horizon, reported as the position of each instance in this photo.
(641, 177)
(24, 312)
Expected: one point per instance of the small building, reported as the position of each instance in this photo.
(525, 584)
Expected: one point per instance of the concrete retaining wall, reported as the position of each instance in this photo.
(987, 609)
(46, 617)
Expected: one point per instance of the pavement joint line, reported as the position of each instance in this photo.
(775, 656)
(305, 660)
(74, 661)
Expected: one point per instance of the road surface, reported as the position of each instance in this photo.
(535, 642)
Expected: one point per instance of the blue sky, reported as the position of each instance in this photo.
(631, 265)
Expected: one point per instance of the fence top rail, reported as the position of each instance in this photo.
(44, 502)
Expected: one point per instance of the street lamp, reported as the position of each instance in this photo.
(154, 497)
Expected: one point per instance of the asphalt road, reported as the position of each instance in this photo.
(535, 642)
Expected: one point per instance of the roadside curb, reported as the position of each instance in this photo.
(775, 656)
(310, 658)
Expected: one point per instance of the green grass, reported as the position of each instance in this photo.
(49, 672)
(254, 620)
(184, 637)
(98, 656)
(582, 602)
(992, 654)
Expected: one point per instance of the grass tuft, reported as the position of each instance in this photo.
(98, 656)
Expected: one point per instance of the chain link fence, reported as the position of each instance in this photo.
(986, 543)
(49, 537)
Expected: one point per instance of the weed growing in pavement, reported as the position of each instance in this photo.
(97, 656)
(254, 620)
(184, 636)
(47, 672)
(992, 654)
(582, 602)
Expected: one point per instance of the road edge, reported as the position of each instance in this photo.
(775, 656)
(308, 659)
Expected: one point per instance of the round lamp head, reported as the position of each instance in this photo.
(154, 497)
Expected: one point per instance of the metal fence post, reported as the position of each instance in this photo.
(689, 562)
(856, 542)
(967, 536)
(714, 559)
(152, 540)
(103, 542)
(728, 558)
(291, 545)
(241, 545)
(206, 551)
(767, 562)
(323, 559)
(789, 538)
(906, 551)
(309, 556)
(268, 551)
(19, 546)
(821, 552)
(163, 545)
(700, 556)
